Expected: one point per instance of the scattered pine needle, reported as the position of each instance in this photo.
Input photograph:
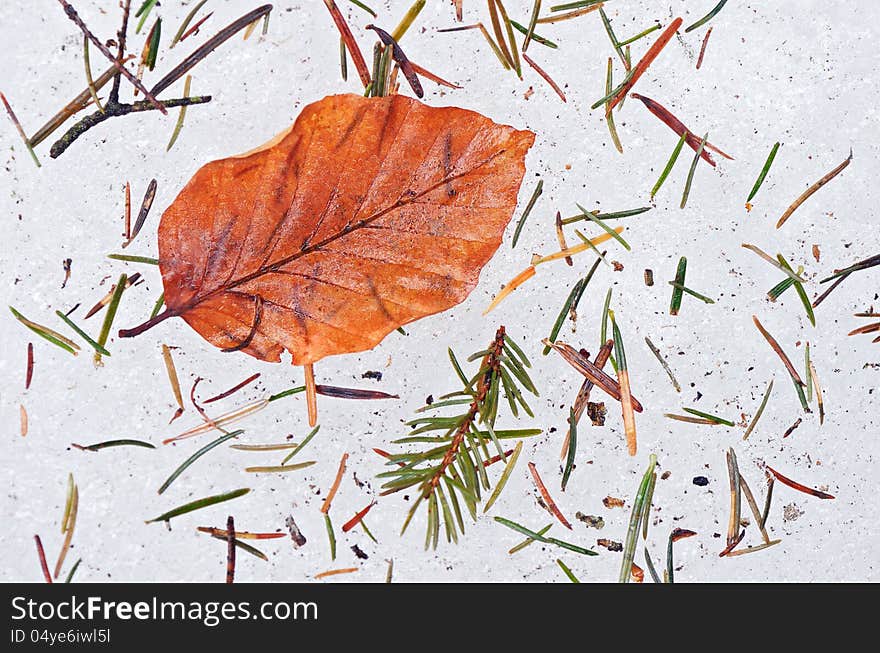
(350, 43)
(242, 535)
(173, 380)
(23, 420)
(29, 372)
(311, 393)
(42, 556)
(679, 128)
(812, 189)
(354, 521)
(512, 285)
(643, 64)
(703, 48)
(325, 507)
(233, 389)
(797, 486)
(551, 504)
(336, 572)
(544, 76)
(20, 129)
(558, 18)
(776, 348)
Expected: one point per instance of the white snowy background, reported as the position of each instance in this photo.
(802, 72)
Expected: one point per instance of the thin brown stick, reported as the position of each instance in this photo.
(233, 389)
(350, 44)
(311, 394)
(775, 346)
(643, 64)
(71, 13)
(551, 504)
(547, 79)
(42, 555)
(797, 486)
(812, 189)
(325, 507)
(230, 550)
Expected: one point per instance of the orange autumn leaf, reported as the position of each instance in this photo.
(367, 214)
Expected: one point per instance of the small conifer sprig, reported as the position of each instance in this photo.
(451, 468)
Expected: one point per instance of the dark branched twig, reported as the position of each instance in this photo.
(113, 106)
(110, 111)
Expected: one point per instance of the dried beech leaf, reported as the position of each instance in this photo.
(367, 214)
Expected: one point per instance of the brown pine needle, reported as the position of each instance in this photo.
(797, 486)
(643, 64)
(703, 48)
(603, 381)
(336, 572)
(69, 526)
(20, 129)
(427, 74)
(354, 521)
(173, 380)
(29, 372)
(679, 128)
(233, 389)
(775, 346)
(812, 189)
(351, 45)
(753, 505)
(325, 507)
(223, 420)
(311, 394)
(512, 285)
(127, 234)
(499, 35)
(544, 76)
(575, 249)
(241, 535)
(42, 555)
(818, 389)
(195, 28)
(752, 549)
(23, 420)
(551, 505)
(230, 550)
(129, 281)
